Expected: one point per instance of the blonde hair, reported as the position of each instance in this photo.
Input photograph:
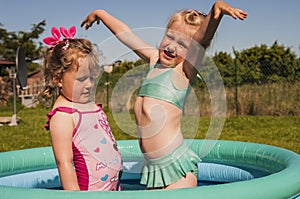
(64, 57)
(190, 17)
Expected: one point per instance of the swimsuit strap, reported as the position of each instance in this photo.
(65, 110)
(58, 109)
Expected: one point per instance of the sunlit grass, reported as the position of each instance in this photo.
(29, 132)
(281, 131)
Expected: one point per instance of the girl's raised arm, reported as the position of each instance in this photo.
(203, 37)
(122, 32)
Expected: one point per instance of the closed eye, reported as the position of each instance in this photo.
(169, 36)
(182, 44)
(82, 79)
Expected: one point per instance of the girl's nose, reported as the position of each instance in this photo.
(171, 48)
(89, 82)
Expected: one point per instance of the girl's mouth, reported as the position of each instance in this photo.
(169, 54)
(85, 93)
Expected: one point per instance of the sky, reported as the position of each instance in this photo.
(268, 21)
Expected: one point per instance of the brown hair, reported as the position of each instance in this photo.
(64, 57)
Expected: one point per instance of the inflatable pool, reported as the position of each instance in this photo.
(230, 170)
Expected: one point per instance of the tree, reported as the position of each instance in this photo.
(10, 41)
(263, 64)
(225, 64)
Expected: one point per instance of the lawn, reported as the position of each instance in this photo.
(277, 131)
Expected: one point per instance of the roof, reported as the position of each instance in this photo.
(8, 63)
(35, 73)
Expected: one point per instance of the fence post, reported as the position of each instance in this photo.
(236, 84)
(236, 89)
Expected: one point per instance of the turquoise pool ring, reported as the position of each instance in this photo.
(282, 165)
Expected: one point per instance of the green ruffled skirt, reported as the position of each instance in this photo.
(161, 172)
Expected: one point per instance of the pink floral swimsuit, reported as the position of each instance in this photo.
(96, 157)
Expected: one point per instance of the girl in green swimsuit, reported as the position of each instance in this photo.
(169, 163)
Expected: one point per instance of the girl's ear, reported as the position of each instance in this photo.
(57, 82)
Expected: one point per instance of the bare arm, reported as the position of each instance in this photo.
(209, 26)
(61, 127)
(122, 32)
(203, 37)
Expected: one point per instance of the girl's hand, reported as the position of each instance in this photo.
(90, 20)
(223, 8)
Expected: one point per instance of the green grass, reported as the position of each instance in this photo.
(29, 132)
(281, 131)
(277, 131)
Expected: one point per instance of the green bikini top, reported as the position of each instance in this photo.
(162, 87)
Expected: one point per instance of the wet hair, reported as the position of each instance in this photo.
(190, 17)
(64, 57)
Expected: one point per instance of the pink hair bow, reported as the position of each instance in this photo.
(68, 34)
(56, 36)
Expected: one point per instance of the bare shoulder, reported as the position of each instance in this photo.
(61, 120)
(154, 56)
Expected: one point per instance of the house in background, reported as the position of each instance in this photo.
(35, 84)
(6, 90)
(29, 94)
(7, 63)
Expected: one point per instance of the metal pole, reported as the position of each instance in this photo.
(14, 117)
(107, 91)
(236, 87)
(108, 69)
(15, 96)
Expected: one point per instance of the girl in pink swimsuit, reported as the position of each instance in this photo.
(84, 147)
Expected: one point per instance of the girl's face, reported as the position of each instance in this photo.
(174, 45)
(77, 85)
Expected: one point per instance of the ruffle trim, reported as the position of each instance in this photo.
(161, 175)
